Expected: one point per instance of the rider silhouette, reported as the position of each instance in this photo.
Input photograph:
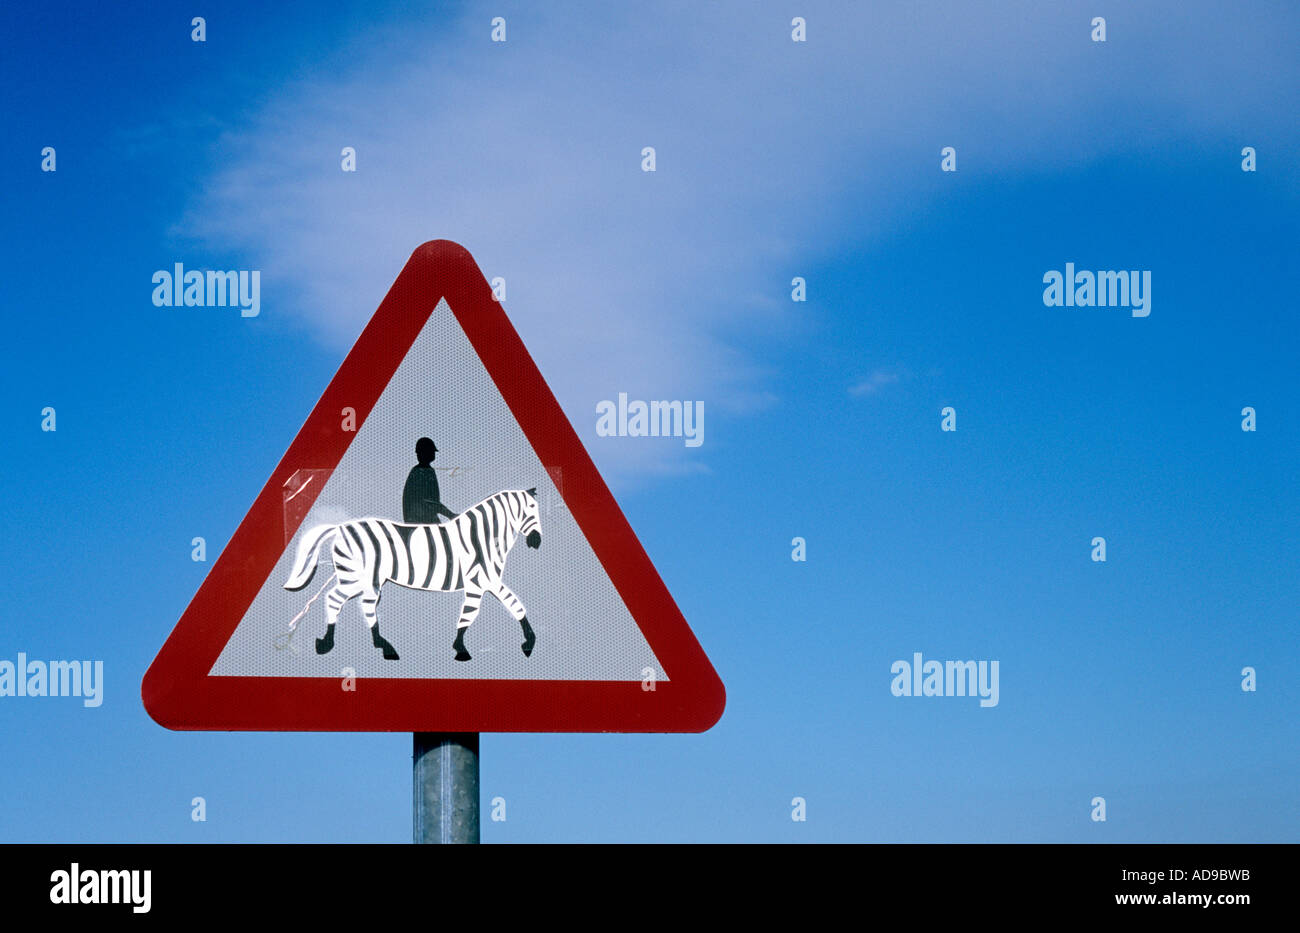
(421, 503)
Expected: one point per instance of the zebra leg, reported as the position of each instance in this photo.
(468, 613)
(516, 609)
(380, 642)
(334, 601)
(347, 570)
(529, 638)
(370, 612)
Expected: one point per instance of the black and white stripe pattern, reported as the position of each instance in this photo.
(466, 553)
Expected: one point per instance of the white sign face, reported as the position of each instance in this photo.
(581, 628)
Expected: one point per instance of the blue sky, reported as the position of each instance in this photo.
(775, 159)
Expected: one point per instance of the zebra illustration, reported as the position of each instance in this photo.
(466, 553)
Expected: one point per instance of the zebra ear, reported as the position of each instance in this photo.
(533, 492)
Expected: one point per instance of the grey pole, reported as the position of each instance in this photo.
(445, 777)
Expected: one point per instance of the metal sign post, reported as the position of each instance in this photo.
(445, 788)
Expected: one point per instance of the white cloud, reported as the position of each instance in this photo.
(874, 383)
(771, 155)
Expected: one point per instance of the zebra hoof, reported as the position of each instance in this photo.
(323, 645)
(462, 655)
(390, 655)
(529, 638)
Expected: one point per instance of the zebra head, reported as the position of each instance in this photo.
(531, 528)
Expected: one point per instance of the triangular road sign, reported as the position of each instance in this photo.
(575, 632)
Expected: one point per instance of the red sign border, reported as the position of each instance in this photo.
(179, 694)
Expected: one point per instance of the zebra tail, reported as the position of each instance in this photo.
(304, 565)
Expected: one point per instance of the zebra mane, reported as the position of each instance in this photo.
(501, 496)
